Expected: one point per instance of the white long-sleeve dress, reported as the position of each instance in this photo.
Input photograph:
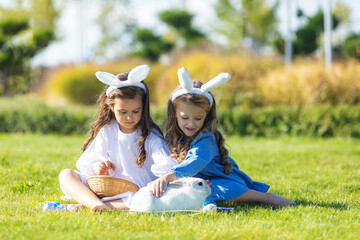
(122, 150)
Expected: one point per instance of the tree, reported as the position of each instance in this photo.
(305, 41)
(316, 22)
(118, 26)
(307, 36)
(22, 34)
(245, 18)
(150, 45)
(180, 22)
(351, 47)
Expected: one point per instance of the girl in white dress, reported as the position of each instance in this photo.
(124, 142)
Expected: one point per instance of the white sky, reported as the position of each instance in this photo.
(77, 37)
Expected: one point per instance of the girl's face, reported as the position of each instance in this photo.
(127, 113)
(190, 118)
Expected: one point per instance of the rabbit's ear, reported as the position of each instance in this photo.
(108, 78)
(138, 74)
(185, 79)
(215, 82)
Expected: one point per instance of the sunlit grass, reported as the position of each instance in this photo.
(321, 175)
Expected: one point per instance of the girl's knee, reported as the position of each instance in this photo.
(66, 174)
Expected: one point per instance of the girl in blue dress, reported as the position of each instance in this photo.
(193, 139)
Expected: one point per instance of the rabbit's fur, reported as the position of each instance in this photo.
(181, 194)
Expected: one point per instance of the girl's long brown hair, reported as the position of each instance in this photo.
(106, 115)
(178, 143)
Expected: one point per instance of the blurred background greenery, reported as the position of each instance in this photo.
(265, 96)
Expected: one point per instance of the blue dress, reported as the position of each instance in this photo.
(203, 161)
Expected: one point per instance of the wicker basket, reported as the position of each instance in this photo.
(106, 186)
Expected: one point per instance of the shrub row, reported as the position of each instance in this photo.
(319, 121)
(255, 81)
(268, 122)
(41, 118)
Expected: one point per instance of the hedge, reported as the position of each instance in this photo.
(319, 121)
(323, 121)
(41, 118)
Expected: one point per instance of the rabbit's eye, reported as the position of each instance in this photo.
(200, 183)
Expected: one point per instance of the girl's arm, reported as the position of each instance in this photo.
(159, 153)
(188, 168)
(203, 150)
(94, 155)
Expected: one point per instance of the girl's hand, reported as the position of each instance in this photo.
(160, 184)
(103, 167)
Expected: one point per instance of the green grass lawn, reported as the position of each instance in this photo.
(321, 175)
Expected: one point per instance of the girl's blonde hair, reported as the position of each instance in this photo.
(178, 143)
(106, 115)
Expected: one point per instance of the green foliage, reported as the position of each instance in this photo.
(22, 34)
(319, 121)
(11, 54)
(178, 19)
(306, 40)
(150, 45)
(351, 47)
(13, 25)
(316, 22)
(245, 18)
(2, 40)
(181, 22)
(41, 37)
(40, 118)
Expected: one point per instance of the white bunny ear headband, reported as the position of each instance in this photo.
(135, 77)
(187, 85)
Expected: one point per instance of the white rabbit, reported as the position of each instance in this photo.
(181, 194)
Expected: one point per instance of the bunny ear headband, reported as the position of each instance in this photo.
(135, 77)
(187, 85)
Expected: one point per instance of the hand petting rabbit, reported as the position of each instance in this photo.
(181, 194)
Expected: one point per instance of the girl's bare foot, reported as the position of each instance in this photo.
(74, 207)
(99, 207)
(279, 201)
